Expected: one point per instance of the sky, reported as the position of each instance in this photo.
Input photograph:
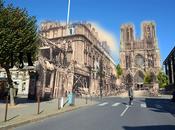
(109, 15)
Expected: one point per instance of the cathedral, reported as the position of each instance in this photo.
(139, 56)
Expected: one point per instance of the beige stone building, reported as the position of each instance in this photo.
(139, 55)
(78, 61)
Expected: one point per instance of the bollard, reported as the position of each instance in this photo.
(91, 98)
(6, 109)
(58, 103)
(38, 100)
(61, 102)
(86, 99)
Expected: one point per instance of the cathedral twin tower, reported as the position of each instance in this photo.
(139, 56)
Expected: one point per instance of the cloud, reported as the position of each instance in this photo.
(105, 35)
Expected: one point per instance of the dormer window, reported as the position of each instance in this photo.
(71, 31)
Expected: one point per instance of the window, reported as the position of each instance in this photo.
(5, 75)
(24, 86)
(93, 76)
(71, 31)
(127, 35)
(55, 33)
(17, 74)
(139, 60)
(150, 61)
(128, 63)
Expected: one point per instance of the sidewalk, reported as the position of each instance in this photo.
(137, 93)
(143, 94)
(27, 112)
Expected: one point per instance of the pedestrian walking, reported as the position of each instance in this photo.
(131, 95)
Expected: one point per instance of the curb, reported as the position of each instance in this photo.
(42, 117)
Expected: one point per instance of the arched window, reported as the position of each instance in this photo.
(139, 77)
(139, 60)
(128, 79)
(127, 34)
(128, 61)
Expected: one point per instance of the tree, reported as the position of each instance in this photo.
(147, 78)
(119, 71)
(1, 4)
(162, 79)
(18, 39)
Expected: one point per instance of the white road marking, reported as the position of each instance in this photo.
(143, 105)
(103, 104)
(115, 104)
(122, 114)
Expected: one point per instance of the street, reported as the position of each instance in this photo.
(113, 113)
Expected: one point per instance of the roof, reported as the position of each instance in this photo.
(170, 54)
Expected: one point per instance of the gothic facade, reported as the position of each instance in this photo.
(139, 56)
(78, 61)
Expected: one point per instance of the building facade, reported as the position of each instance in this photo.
(72, 58)
(169, 63)
(139, 55)
(20, 79)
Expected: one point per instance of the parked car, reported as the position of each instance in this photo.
(173, 98)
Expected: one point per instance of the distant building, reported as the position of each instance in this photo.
(20, 79)
(139, 55)
(169, 63)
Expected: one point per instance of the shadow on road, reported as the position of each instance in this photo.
(13, 117)
(159, 127)
(161, 105)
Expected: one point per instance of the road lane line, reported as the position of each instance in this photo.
(103, 104)
(143, 105)
(122, 114)
(115, 104)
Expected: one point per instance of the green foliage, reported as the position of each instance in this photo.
(162, 79)
(18, 33)
(147, 78)
(1, 4)
(119, 70)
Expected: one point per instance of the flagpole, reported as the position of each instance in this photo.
(68, 13)
(67, 26)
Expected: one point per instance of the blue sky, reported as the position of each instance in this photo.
(110, 14)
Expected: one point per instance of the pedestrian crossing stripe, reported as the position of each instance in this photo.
(115, 104)
(142, 105)
(103, 104)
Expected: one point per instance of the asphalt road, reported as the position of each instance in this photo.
(113, 114)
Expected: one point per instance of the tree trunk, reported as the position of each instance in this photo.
(11, 89)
